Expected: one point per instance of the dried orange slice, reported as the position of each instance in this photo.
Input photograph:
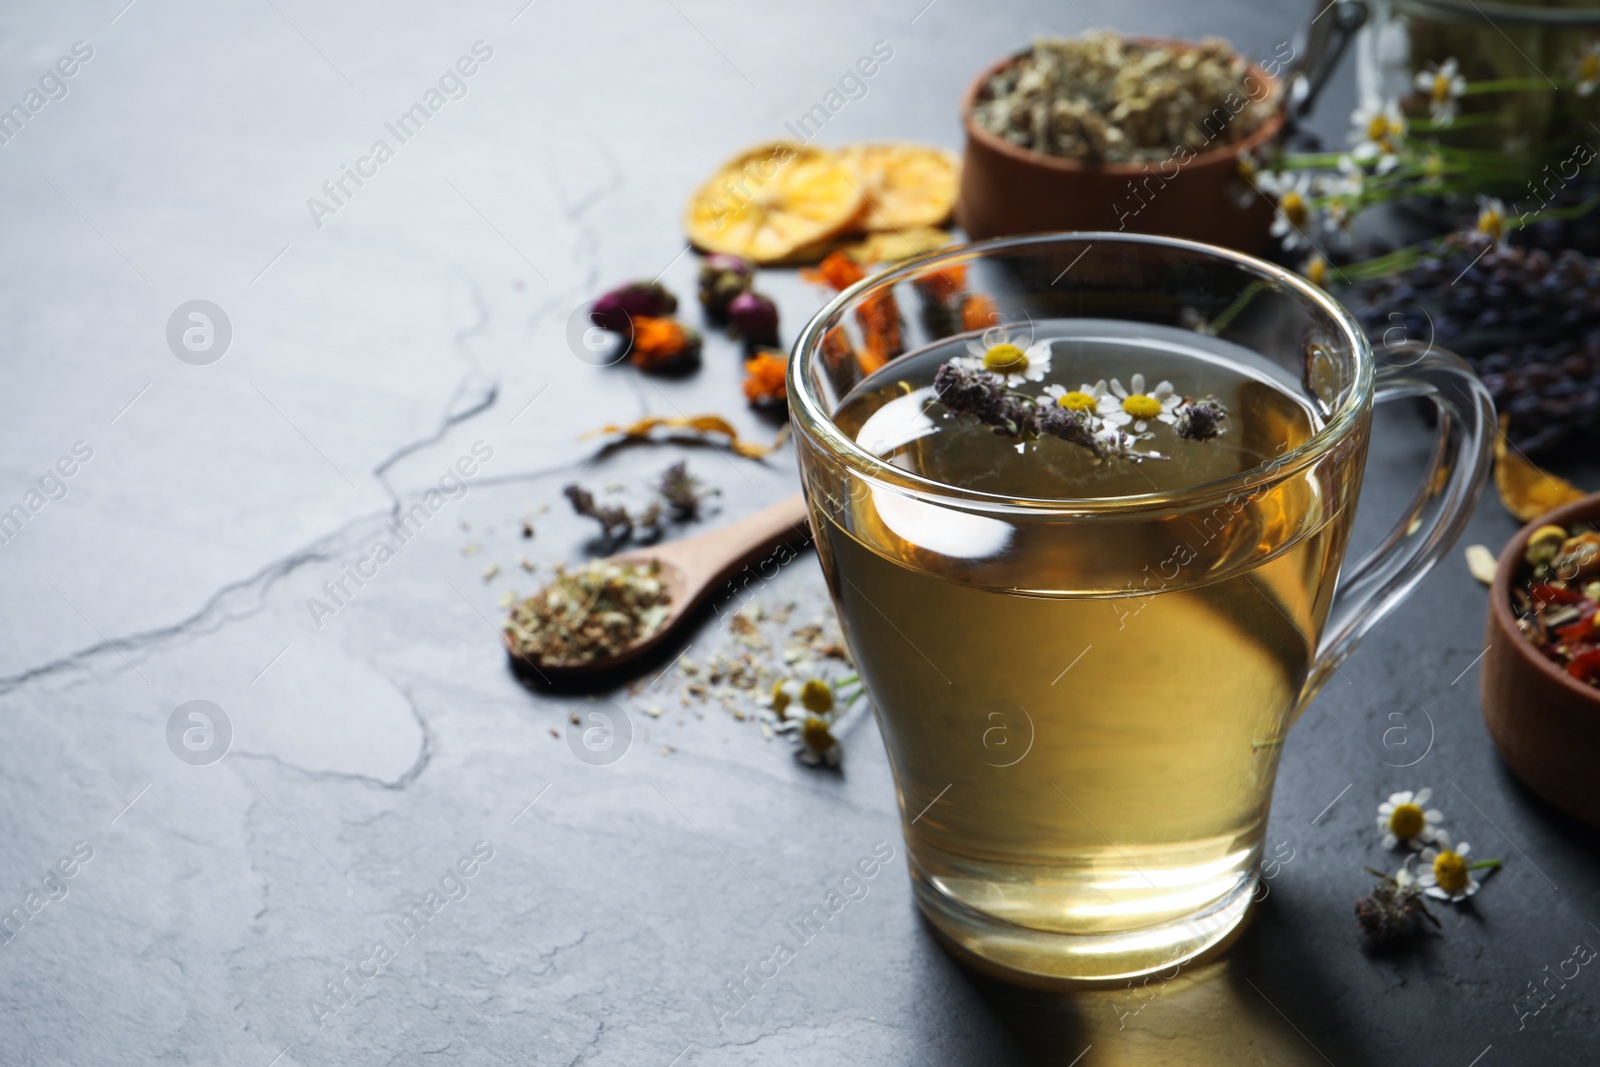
(906, 185)
(770, 200)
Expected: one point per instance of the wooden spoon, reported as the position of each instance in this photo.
(691, 570)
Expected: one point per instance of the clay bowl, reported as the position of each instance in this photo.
(1545, 722)
(1007, 189)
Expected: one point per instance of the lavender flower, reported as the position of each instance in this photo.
(1200, 420)
(1073, 426)
(964, 391)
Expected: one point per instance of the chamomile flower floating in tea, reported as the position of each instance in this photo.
(1107, 421)
(999, 353)
(1449, 872)
(1134, 405)
(1402, 818)
(1084, 398)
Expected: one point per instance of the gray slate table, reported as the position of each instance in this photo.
(583, 913)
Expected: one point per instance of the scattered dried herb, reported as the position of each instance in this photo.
(978, 312)
(753, 319)
(1481, 563)
(837, 271)
(1391, 912)
(1526, 490)
(700, 426)
(589, 613)
(766, 380)
(683, 492)
(614, 519)
(881, 337)
(663, 345)
(616, 310)
(723, 277)
(837, 350)
(941, 285)
(1099, 98)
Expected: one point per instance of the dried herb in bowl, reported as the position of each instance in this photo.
(1101, 99)
(1557, 598)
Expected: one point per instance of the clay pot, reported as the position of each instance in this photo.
(1545, 722)
(1007, 189)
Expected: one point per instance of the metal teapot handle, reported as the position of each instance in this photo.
(1332, 27)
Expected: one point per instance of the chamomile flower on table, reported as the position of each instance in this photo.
(793, 694)
(1378, 130)
(817, 744)
(1448, 875)
(1295, 218)
(1491, 219)
(1402, 818)
(1443, 86)
(1085, 398)
(1132, 406)
(809, 708)
(999, 353)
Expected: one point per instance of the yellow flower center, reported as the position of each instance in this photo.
(816, 735)
(1407, 821)
(1377, 127)
(1450, 871)
(1247, 168)
(817, 696)
(1077, 400)
(1441, 89)
(1492, 222)
(1589, 67)
(1317, 271)
(1294, 207)
(1433, 167)
(1141, 406)
(780, 697)
(1005, 359)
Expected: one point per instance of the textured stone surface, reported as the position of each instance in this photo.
(371, 754)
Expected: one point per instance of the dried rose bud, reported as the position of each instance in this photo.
(722, 278)
(616, 310)
(754, 318)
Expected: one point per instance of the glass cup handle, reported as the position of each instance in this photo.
(1376, 584)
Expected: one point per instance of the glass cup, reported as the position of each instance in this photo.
(1084, 700)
